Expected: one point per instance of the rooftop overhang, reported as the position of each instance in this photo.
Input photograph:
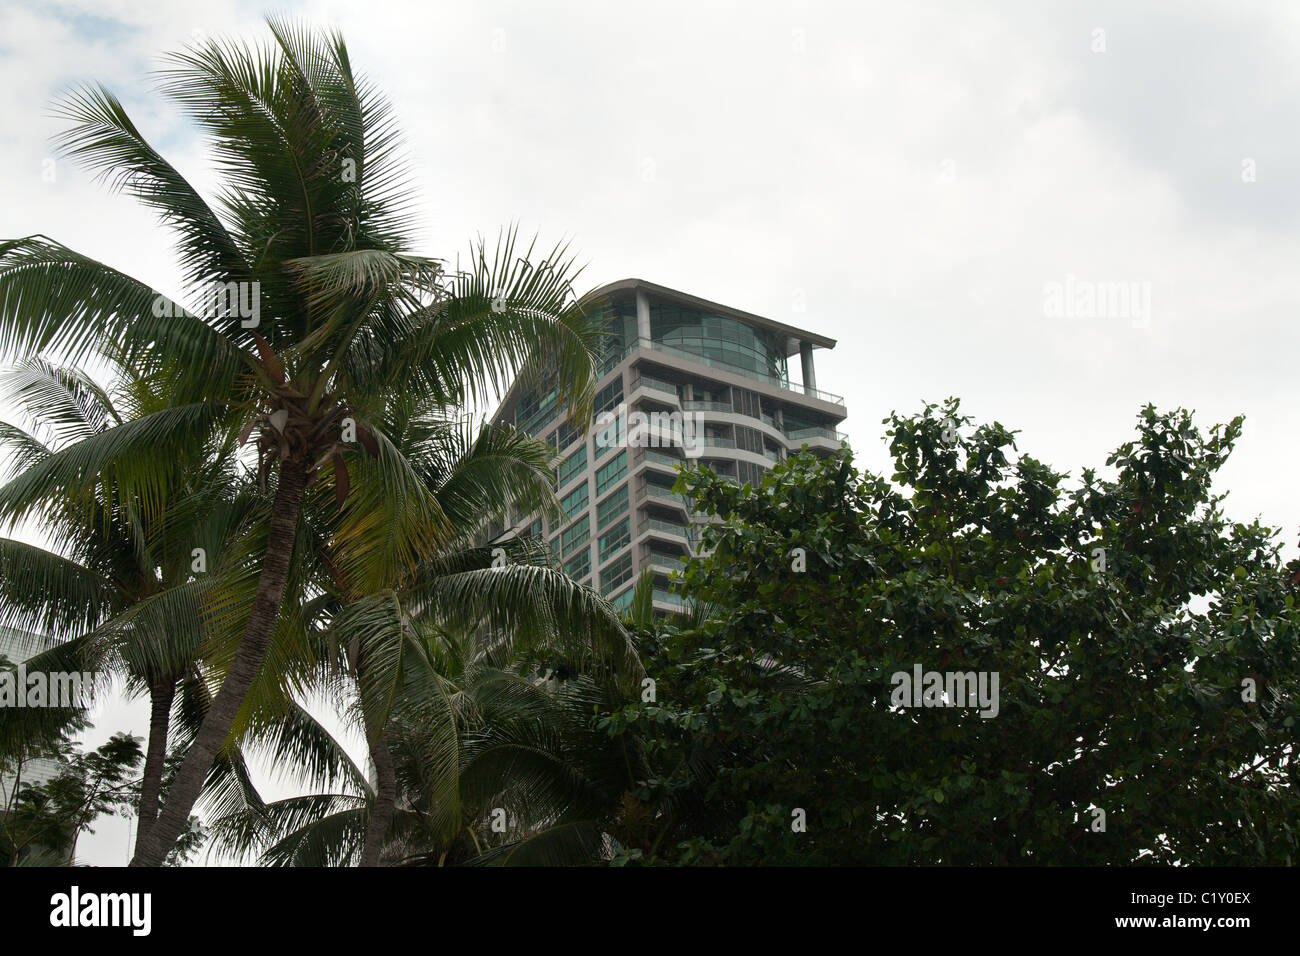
(790, 335)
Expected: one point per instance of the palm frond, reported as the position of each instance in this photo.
(47, 593)
(55, 300)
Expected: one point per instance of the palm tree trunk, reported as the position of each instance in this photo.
(154, 844)
(161, 694)
(381, 814)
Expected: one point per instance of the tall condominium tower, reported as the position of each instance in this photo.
(682, 380)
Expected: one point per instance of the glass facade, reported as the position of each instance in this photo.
(616, 538)
(614, 493)
(616, 574)
(580, 566)
(572, 466)
(727, 341)
(574, 501)
(574, 536)
(611, 508)
(609, 473)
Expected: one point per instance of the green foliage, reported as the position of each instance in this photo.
(1121, 684)
(40, 822)
(305, 311)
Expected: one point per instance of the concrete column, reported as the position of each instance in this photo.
(642, 315)
(806, 358)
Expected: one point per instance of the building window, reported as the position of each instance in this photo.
(566, 435)
(659, 483)
(611, 472)
(579, 566)
(613, 435)
(749, 474)
(536, 408)
(749, 439)
(572, 465)
(721, 340)
(611, 508)
(608, 397)
(574, 501)
(745, 402)
(615, 538)
(622, 602)
(616, 574)
(579, 533)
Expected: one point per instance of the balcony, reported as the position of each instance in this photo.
(660, 526)
(655, 386)
(661, 561)
(805, 434)
(772, 455)
(697, 406)
(734, 369)
(648, 456)
(716, 442)
(662, 596)
(648, 491)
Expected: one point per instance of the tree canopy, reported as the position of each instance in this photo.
(1146, 649)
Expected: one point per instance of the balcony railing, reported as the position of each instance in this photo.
(736, 369)
(799, 434)
(667, 527)
(660, 556)
(648, 490)
(622, 601)
(650, 383)
(766, 419)
(669, 597)
(656, 457)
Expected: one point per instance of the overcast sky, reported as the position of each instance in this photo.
(915, 183)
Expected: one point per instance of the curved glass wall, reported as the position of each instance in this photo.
(726, 341)
(617, 316)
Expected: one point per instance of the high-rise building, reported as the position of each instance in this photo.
(682, 379)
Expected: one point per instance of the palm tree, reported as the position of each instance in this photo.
(495, 766)
(320, 308)
(120, 592)
(380, 604)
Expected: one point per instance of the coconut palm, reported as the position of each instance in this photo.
(125, 585)
(380, 603)
(498, 766)
(319, 307)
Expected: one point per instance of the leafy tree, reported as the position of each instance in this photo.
(40, 823)
(307, 305)
(1146, 647)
